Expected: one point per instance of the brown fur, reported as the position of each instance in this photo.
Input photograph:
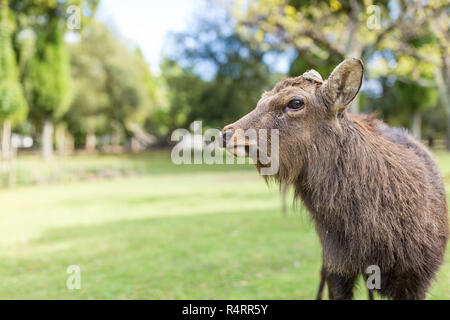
(375, 194)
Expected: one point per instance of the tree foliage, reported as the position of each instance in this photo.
(323, 33)
(216, 71)
(112, 83)
(233, 75)
(50, 91)
(13, 105)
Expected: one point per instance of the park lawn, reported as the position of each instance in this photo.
(168, 232)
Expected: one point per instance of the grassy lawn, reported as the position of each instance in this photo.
(159, 231)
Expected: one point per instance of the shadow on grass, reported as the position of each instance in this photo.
(228, 255)
(246, 255)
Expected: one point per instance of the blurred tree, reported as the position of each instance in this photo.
(417, 52)
(323, 32)
(33, 13)
(86, 117)
(46, 72)
(113, 86)
(404, 102)
(148, 91)
(13, 106)
(126, 87)
(12, 102)
(50, 80)
(438, 23)
(212, 75)
(183, 96)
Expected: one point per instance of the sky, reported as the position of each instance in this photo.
(146, 23)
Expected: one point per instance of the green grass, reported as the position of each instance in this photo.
(29, 170)
(162, 232)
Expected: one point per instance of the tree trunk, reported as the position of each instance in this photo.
(354, 106)
(416, 125)
(70, 144)
(47, 140)
(6, 141)
(444, 96)
(115, 138)
(8, 154)
(91, 142)
(353, 48)
(447, 142)
(135, 145)
(60, 133)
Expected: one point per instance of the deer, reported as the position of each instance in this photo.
(375, 194)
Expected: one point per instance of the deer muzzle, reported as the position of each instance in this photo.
(236, 141)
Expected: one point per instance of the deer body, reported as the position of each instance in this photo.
(387, 208)
(375, 194)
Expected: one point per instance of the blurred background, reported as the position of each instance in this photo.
(91, 91)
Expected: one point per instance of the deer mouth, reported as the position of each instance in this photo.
(240, 150)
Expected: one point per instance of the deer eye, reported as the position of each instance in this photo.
(294, 105)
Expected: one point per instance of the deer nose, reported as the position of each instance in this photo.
(227, 133)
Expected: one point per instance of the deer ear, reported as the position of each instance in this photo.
(344, 83)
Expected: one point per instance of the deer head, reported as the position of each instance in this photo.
(304, 110)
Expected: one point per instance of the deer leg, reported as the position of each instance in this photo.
(340, 287)
(407, 286)
(369, 291)
(323, 278)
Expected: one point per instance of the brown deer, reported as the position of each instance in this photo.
(375, 194)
